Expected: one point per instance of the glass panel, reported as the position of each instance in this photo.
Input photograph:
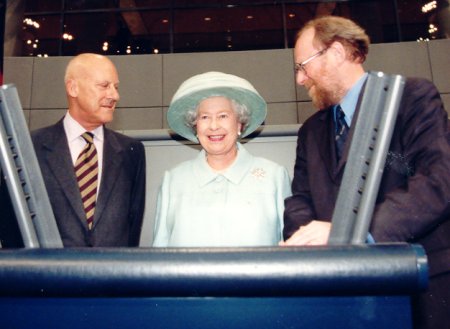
(378, 18)
(146, 4)
(41, 35)
(89, 4)
(90, 31)
(222, 25)
(234, 28)
(35, 6)
(415, 23)
(110, 33)
(216, 3)
(371, 15)
(156, 37)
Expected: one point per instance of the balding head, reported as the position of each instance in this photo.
(81, 65)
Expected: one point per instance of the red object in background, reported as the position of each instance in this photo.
(2, 35)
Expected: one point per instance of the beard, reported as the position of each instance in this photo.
(325, 91)
(322, 98)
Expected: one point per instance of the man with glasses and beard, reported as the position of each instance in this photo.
(413, 203)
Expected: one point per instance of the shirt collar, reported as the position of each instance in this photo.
(350, 100)
(235, 173)
(74, 130)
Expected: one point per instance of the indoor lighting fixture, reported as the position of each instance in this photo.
(30, 22)
(67, 36)
(429, 6)
(432, 29)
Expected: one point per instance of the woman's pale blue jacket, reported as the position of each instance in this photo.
(242, 206)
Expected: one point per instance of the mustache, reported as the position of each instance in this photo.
(308, 84)
(109, 102)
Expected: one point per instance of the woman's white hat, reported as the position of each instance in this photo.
(199, 87)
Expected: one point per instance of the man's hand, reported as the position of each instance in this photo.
(313, 234)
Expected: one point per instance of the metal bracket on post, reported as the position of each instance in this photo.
(367, 156)
(23, 176)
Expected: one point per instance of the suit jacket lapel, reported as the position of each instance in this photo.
(59, 161)
(112, 164)
(327, 147)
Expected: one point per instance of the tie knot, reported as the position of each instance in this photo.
(340, 119)
(340, 115)
(88, 137)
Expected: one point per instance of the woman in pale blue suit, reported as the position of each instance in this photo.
(225, 197)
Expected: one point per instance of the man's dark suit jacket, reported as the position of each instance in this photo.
(120, 203)
(413, 203)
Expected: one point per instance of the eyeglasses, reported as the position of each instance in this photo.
(302, 66)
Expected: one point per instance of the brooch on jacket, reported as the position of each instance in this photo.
(258, 173)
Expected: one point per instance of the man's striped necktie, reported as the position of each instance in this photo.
(86, 171)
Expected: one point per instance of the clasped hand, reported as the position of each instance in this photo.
(313, 234)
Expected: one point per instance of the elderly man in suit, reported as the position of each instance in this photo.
(413, 203)
(95, 177)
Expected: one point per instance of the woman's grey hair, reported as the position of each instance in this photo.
(242, 112)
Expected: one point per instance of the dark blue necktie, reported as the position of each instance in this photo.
(341, 131)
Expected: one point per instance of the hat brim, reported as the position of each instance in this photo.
(176, 115)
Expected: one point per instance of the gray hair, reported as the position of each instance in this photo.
(242, 112)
